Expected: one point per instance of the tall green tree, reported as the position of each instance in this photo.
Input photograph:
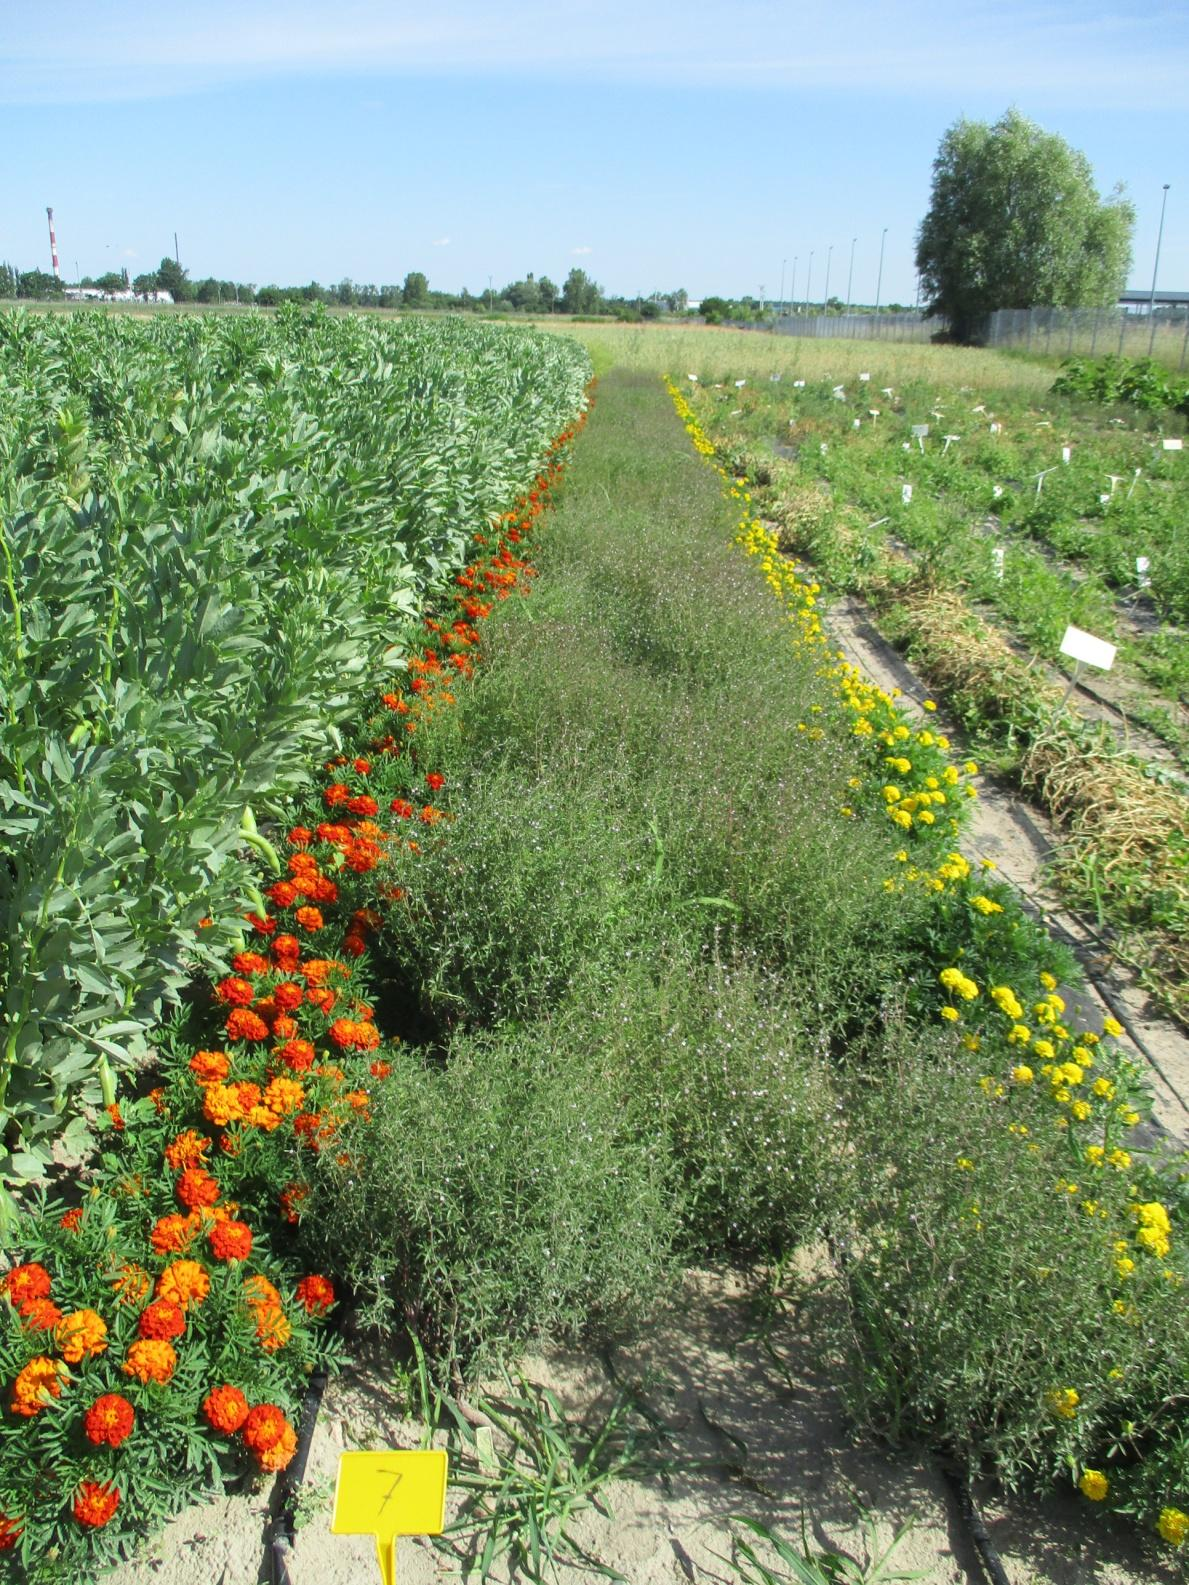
(172, 278)
(1016, 222)
(415, 292)
(580, 295)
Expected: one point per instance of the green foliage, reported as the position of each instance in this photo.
(503, 1195)
(981, 1263)
(1140, 381)
(216, 534)
(527, 1469)
(808, 1566)
(1015, 222)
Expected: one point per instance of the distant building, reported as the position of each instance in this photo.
(1135, 300)
(96, 294)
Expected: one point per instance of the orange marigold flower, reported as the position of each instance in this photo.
(282, 893)
(226, 1409)
(173, 1234)
(187, 1150)
(263, 1118)
(324, 890)
(261, 924)
(231, 1240)
(150, 1359)
(258, 1290)
(354, 945)
(309, 918)
(363, 857)
(435, 781)
(316, 1294)
(40, 1315)
(284, 1027)
(280, 1453)
(72, 1219)
(210, 1067)
(286, 950)
(264, 1427)
(39, 1381)
(160, 1104)
(316, 971)
(358, 1100)
(163, 1320)
(380, 1070)
(288, 996)
(95, 1504)
(283, 1096)
(196, 1188)
(116, 1117)
(297, 1055)
(300, 837)
(335, 795)
(22, 1283)
(362, 767)
(250, 963)
(79, 1334)
(221, 1105)
(109, 1419)
(272, 1327)
(391, 701)
(303, 864)
(342, 1032)
(243, 1024)
(131, 1283)
(236, 991)
(363, 804)
(246, 1094)
(11, 1531)
(290, 1202)
(321, 996)
(183, 1283)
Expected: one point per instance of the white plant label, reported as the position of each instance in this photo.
(692, 377)
(1085, 647)
(919, 431)
(739, 384)
(906, 446)
(996, 429)
(865, 376)
(798, 385)
(1066, 453)
(1104, 499)
(823, 448)
(1174, 444)
(1143, 567)
(840, 393)
(858, 424)
(905, 494)
(949, 440)
(886, 391)
(998, 555)
(996, 491)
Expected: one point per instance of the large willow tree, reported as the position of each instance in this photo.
(1016, 222)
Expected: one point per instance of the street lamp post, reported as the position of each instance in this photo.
(793, 285)
(783, 263)
(1155, 268)
(850, 274)
(879, 278)
(808, 280)
(826, 293)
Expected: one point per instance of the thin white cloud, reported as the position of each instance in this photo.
(1017, 50)
(577, 252)
(440, 242)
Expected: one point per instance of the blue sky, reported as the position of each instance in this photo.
(657, 144)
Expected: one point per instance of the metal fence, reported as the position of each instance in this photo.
(1095, 332)
(860, 327)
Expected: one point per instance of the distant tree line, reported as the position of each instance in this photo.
(533, 295)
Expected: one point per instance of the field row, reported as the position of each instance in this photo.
(217, 535)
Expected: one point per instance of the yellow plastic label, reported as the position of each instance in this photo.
(390, 1494)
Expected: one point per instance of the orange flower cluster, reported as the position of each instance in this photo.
(270, 1437)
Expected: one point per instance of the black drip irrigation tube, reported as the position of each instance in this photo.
(282, 1526)
(958, 1480)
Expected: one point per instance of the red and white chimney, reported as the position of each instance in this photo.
(53, 244)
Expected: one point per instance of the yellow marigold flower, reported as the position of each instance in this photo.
(925, 739)
(1094, 1485)
(950, 1013)
(1019, 1035)
(1127, 1116)
(1119, 1159)
(950, 776)
(1045, 1050)
(1070, 1073)
(986, 906)
(892, 793)
(1173, 1526)
(964, 1164)
(1104, 1089)
(971, 1042)
(1064, 1401)
(1022, 1074)
(1005, 999)
(929, 705)
(1124, 1266)
(1112, 1026)
(926, 817)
